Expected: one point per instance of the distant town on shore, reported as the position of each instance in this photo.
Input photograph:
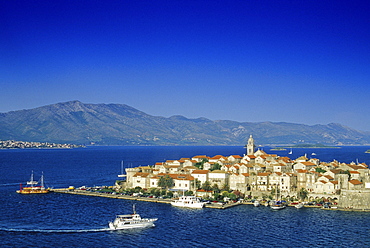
(12, 144)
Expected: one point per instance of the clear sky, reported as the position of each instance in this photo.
(250, 61)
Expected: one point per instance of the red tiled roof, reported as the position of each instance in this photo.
(200, 172)
(355, 182)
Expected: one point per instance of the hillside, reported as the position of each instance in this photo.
(119, 124)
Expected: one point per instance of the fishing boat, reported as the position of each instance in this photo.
(277, 204)
(129, 221)
(32, 187)
(188, 201)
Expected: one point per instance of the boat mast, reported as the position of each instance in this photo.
(42, 180)
(32, 182)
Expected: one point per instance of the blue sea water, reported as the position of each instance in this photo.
(63, 220)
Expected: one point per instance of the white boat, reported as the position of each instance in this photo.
(131, 221)
(313, 154)
(277, 205)
(256, 203)
(299, 205)
(291, 151)
(188, 201)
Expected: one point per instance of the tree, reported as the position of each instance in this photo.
(215, 166)
(320, 170)
(197, 184)
(206, 186)
(188, 192)
(200, 164)
(303, 194)
(225, 187)
(232, 196)
(215, 188)
(165, 182)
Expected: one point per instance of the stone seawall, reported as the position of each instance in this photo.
(355, 199)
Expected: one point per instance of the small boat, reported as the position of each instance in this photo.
(188, 201)
(256, 203)
(131, 221)
(291, 151)
(32, 188)
(313, 154)
(277, 205)
(299, 205)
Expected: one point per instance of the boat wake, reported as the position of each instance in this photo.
(54, 230)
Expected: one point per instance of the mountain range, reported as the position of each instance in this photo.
(119, 124)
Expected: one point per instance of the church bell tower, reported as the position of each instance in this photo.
(250, 146)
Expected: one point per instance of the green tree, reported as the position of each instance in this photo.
(200, 164)
(319, 170)
(215, 166)
(302, 194)
(206, 186)
(165, 182)
(232, 196)
(215, 188)
(225, 187)
(198, 184)
(188, 192)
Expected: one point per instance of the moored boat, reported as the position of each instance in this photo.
(188, 201)
(277, 205)
(33, 188)
(299, 205)
(256, 203)
(129, 221)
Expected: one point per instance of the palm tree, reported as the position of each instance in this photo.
(303, 194)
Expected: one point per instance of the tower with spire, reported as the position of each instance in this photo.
(250, 146)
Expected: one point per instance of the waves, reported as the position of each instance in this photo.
(54, 230)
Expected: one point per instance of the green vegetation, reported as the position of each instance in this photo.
(303, 194)
(165, 182)
(320, 170)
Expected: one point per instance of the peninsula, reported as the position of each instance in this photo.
(256, 175)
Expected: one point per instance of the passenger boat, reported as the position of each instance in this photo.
(33, 188)
(131, 221)
(188, 201)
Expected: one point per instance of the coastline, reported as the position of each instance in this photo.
(168, 201)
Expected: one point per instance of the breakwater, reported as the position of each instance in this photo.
(138, 198)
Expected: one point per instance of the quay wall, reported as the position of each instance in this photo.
(136, 198)
(355, 199)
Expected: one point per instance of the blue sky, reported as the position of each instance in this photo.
(250, 61)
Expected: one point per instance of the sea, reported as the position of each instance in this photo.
(66, 220)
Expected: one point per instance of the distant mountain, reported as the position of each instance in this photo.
(119, 124)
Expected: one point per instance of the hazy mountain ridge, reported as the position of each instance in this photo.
(120, 124)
